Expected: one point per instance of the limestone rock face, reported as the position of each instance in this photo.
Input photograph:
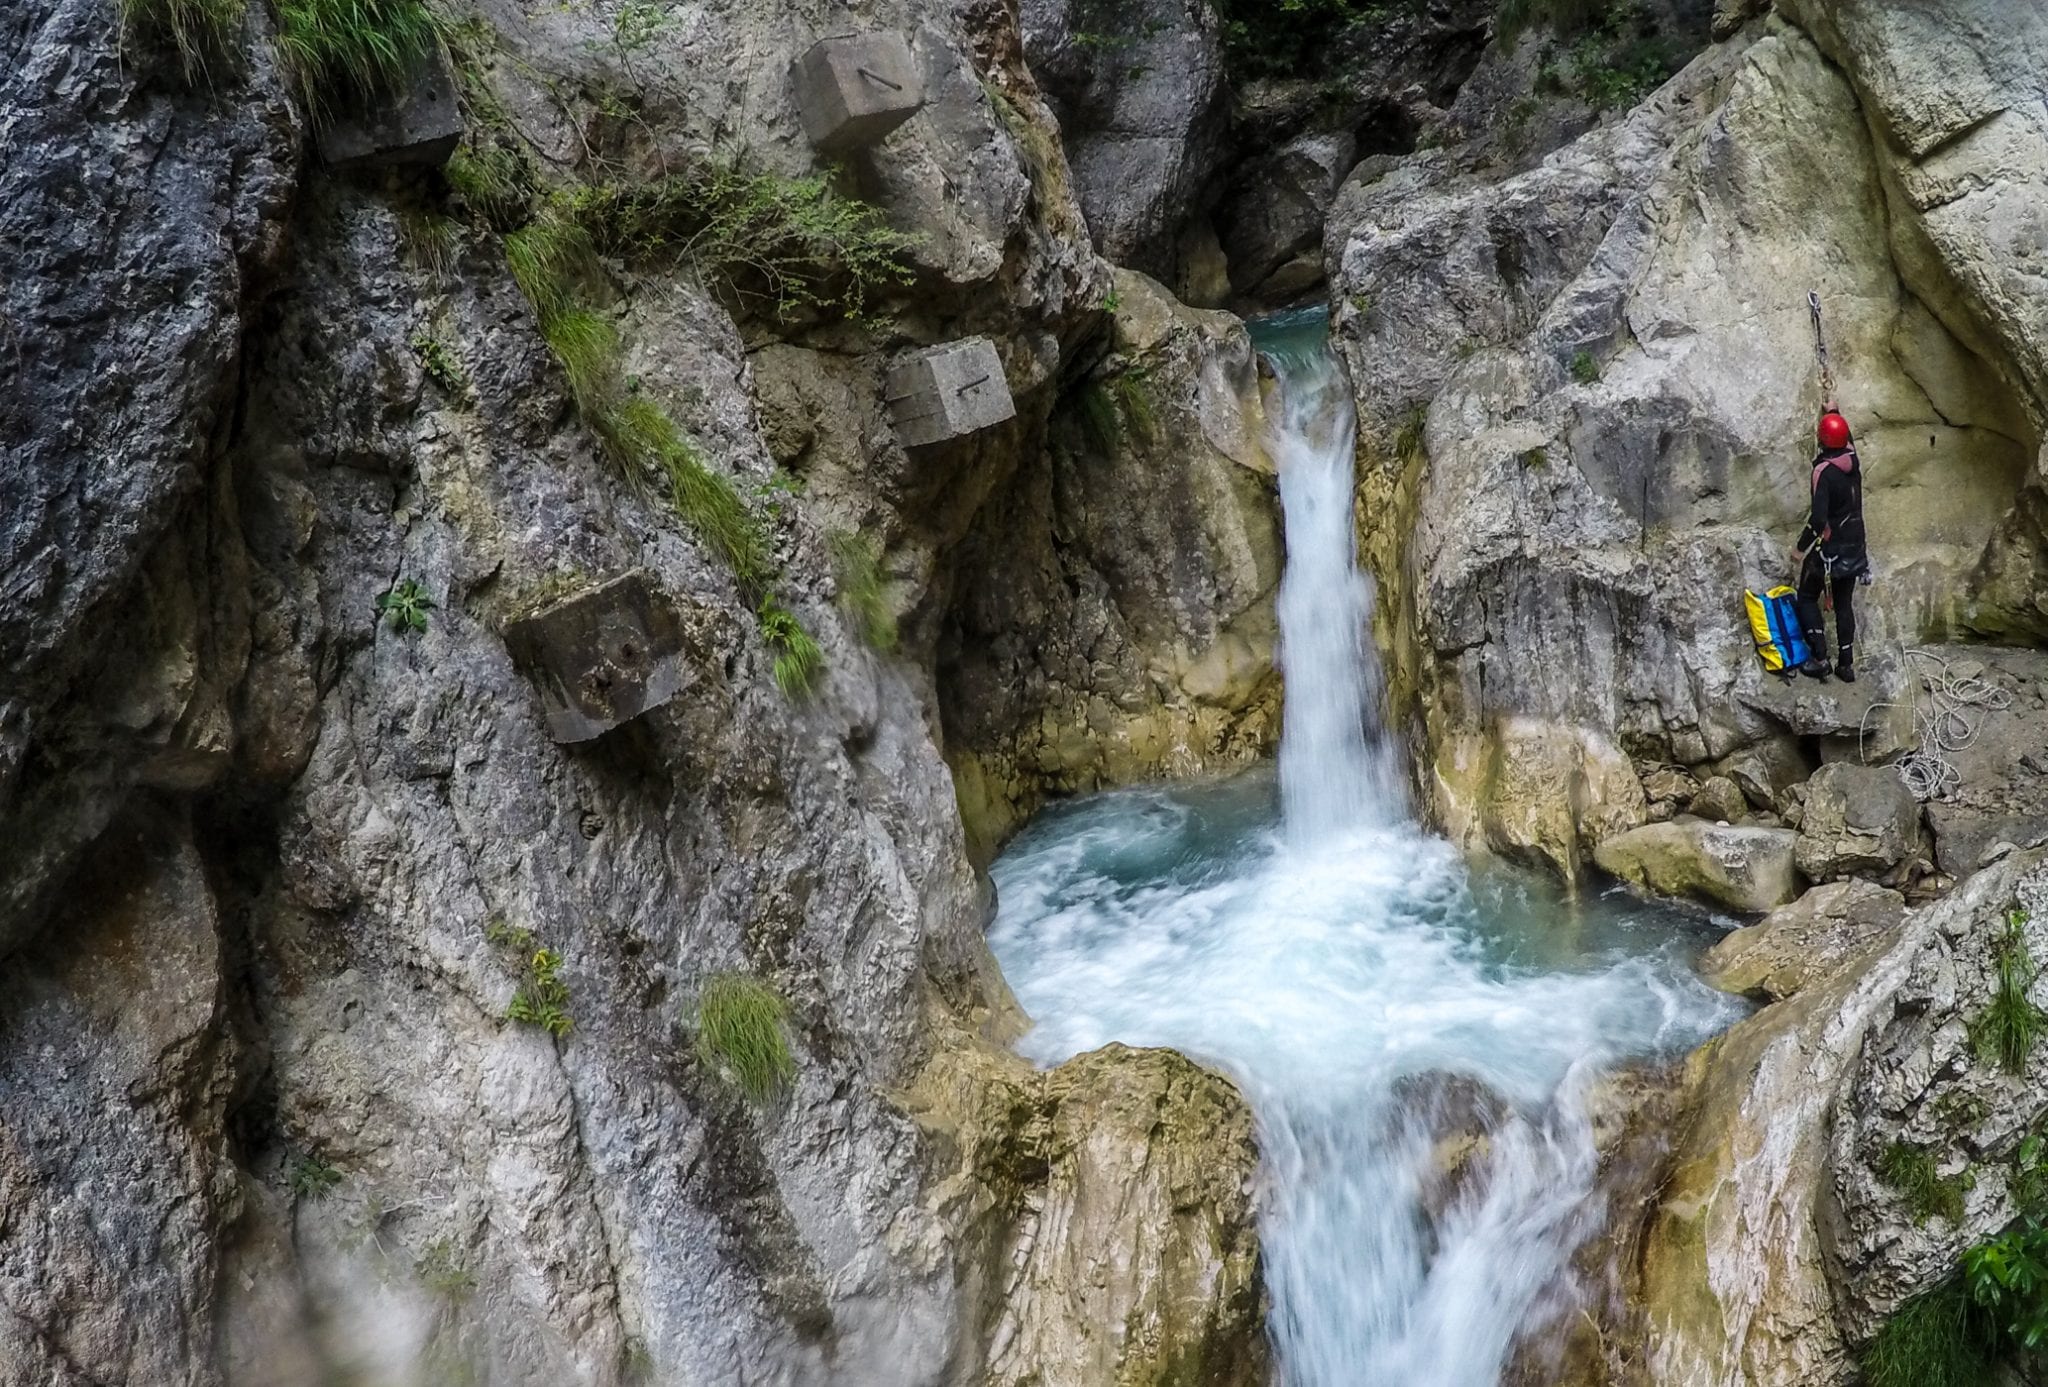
(1720, 798)
(1122, 1182)
(1778, 1246)
(1858, 819)
(275, 867)
(1803, 943)
(1143, 114)
(1587, 394)
(1742, 868)
(1136, 638)
(1272, 224)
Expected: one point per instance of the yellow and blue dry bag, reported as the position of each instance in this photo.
(1774, 626)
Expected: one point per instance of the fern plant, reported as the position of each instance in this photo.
(543, 998)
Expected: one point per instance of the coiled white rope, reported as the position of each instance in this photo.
(1948, 712)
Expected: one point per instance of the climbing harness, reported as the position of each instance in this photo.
(1948, 712)
(1820, 352)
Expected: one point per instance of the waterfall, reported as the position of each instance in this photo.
(1336, 770)
(1370, 993)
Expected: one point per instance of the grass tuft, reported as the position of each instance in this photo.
(1911, 1171)
(798, 658)
(1585, 370)
(2010, 1026)
(587, 345)
(795, 243)
(1411, 439)
(552, 261)
(345, 53)
(1936, 1339)
(740, 1033)
(642, 436)
(863, 594)
(201, 32)
(494, 181)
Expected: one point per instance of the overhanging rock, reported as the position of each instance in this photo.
(854, 89)
(948, 391)
(422, 126)
(602, 657)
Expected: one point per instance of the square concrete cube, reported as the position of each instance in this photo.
(602, 657)
(421, 126)
(855, 89)
(948, 391)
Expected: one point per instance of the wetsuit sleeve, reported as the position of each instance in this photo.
(1817, 516)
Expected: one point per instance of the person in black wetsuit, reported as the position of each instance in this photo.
(1830, 555)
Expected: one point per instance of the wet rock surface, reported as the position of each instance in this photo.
(1742, 868)
(1802, 943)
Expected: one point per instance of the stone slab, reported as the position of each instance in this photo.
(948, 391)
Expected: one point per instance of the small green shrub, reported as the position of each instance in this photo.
(863, 594)
(794, 242)
(201, 32)
(442, 1271)
(2007, 1030)
(1585, 370)
(439, 362)
(407, 604)
(740, 1033)
(1514, 16)
(1536, 459)
(543, 998)
(344, 53)
(309, 1177)
(798, 659)
(1936, 1339)
(1911, 1170)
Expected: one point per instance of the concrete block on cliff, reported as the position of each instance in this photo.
(602, 657)
(421, 126)
(948, 392)
(854, 89)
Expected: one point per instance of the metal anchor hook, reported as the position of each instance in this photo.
(981, 379)
(874, 76)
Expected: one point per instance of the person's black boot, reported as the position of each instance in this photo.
(1845, 666)
(1816, 666)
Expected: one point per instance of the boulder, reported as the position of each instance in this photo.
(1271, 225)
(1856, 820)
(1744, 869)
(1719, 799)
(1111, 1199)
(1766, 770)
(1669, 785)
(1801, 943)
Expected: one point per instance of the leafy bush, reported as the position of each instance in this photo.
(798, 659)
(1514, 16)
(347, 52)
(739, 1033)
(310, 1177)
(2009, 1027)
(857, 564)
(2008, 1279)
(1297, 38)
(795, 242)
(1911, 1171)
(407, 605)
(201, 32)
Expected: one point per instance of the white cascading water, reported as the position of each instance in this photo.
(1365, 988)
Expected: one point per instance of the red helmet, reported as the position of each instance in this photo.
(1833, 430)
